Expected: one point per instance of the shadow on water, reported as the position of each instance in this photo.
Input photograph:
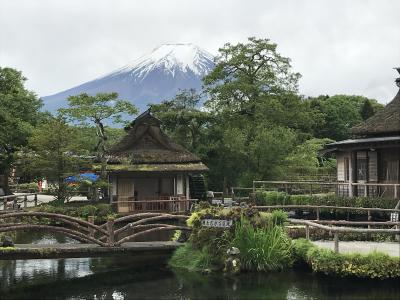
(147, 277)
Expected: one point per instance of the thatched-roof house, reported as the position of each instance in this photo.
(147, 166)
(369, 164)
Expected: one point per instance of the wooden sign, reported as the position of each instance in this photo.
(216, 223)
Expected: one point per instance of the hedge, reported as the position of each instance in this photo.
(282, 198)
(374, 265)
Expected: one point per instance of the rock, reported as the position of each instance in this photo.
(6, 241)
(233, 251)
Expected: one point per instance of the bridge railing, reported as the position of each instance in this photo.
(106, 235)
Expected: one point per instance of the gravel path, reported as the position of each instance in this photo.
(391, 248)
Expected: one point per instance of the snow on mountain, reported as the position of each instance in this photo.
(150, 79)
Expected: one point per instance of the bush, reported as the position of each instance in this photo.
(262, 249)
(192, 259)
(374, 265)
(271, 198)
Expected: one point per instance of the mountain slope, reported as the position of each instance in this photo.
(149, 79)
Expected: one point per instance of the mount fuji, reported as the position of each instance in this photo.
(149, 79)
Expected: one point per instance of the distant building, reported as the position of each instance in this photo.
(369, 164)
(147, 171)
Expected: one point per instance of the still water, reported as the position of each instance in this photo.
(148, 277)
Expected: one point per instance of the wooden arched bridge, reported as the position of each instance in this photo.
(114, 236)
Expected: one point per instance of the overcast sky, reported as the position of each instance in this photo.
(339, 46)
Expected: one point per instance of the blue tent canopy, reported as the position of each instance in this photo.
(81, 177)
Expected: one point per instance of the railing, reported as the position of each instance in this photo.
(17, 200)
(177, 205)
(336, 230)
(106, 235)
(340, 188)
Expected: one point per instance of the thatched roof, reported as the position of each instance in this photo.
(384, 122)
(145, 144)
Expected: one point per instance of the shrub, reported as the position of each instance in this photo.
(271, 198)
(262, 249)
(374, 265)
(192, 259)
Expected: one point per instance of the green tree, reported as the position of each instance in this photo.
(340, 113)
(367, 109)
(56, 154)
(245, 74)
(98, 109)
(183, 119)
(19, 112)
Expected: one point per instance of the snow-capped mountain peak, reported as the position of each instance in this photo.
(170, 58)
(151, 78)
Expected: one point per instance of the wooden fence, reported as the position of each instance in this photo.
(336, 230)
(18, 201)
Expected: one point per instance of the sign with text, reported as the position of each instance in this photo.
(394, 217)
(216, 223)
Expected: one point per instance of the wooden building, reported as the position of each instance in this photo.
(147, 171)
(369, 163)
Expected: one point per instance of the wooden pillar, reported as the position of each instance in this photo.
(25, 201)
(318, 213)
(353, 174)
(307, 232)
(336, 241)
(187, 186)
(110, 231)
(91, 230)
(35, 200)
(5, 204)
(15, 203)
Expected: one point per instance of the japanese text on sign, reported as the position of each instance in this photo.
(216, 223)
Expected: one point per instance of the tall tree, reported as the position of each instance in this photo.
(19, 112)
(367, 110)
(55, 153)
(340, 113)
(183, 119)
(98, 109)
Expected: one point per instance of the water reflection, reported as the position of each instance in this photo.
(147, 277)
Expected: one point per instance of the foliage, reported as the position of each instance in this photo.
(97, 109)
(271, 198)
(259, 236)
(192, 259)
(340, 113)
(374, 265)
(19, 112)
(55, 155)
(183, 120)
(262, 249)
(281, 198)
(101, 211)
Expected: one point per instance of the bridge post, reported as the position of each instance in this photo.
(91, 230)
(336, 240)
(35, 199)
(25, 201)
(5, 204)
(15, 203)
(307, 232)
(110, 230)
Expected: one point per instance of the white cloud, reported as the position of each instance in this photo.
(338, 46)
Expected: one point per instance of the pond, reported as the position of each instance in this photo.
(148, 277)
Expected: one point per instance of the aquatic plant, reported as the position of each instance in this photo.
(262, 249)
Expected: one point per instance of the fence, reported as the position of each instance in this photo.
(17, 200)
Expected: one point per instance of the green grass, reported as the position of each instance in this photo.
(262, 249)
